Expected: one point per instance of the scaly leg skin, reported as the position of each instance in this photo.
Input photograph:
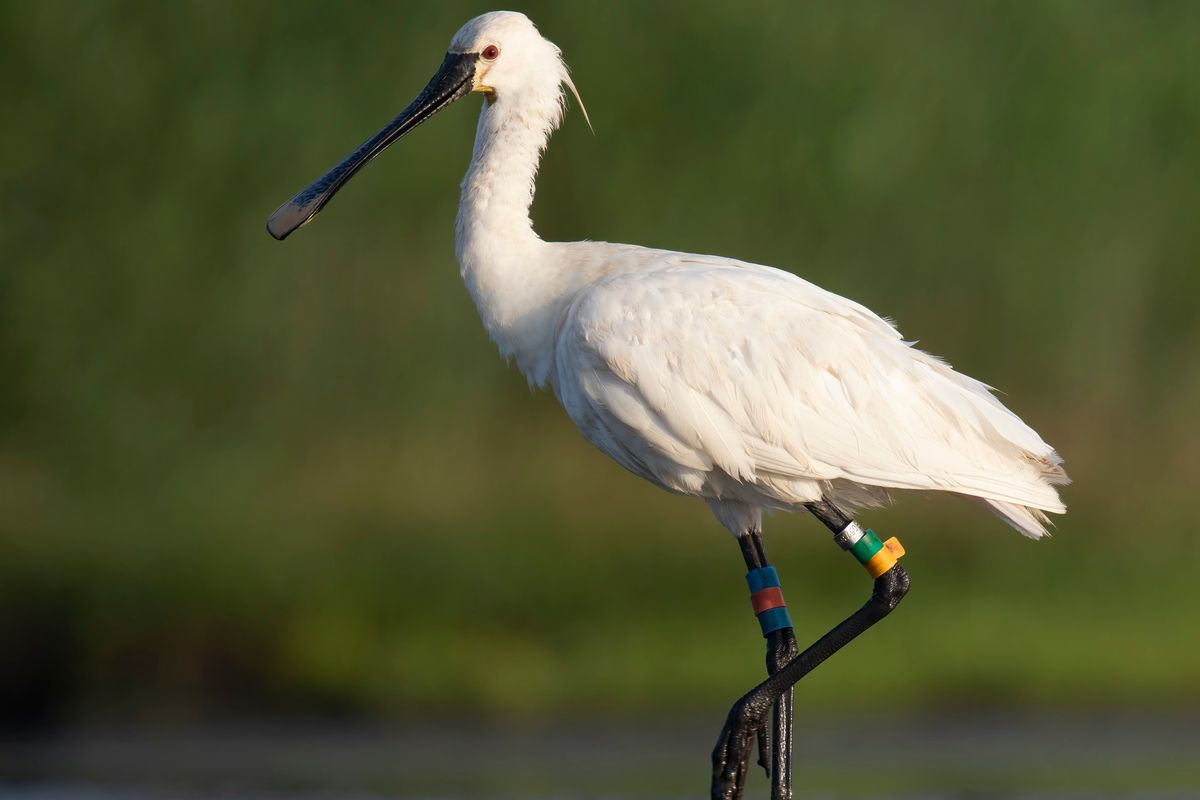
(749, 713)
(780, 650)
(775, 749)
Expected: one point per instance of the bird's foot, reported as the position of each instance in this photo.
(745, 725)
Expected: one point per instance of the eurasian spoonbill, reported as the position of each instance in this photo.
(707, 376)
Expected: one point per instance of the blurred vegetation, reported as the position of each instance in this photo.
(244, 477)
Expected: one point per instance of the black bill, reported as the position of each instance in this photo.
(452, 81)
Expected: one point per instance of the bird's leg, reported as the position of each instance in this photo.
(781, 648)
(749, 713)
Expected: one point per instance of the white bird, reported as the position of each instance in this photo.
(738, 383)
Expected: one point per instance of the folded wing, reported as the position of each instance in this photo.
(735, 381)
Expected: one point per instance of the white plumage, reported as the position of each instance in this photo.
(738, 383)
(734, 382)
(754, 389)
(707, 376)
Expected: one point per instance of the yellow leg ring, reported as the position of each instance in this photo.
(886, 558)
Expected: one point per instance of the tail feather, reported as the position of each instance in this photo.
(1031, 522)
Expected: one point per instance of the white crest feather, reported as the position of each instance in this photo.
(571, 85)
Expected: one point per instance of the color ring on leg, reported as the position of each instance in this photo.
(766, 597)
(774, 619)
(867, 546)
(762, 578)
(886, 558)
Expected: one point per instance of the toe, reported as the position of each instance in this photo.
(732, 754)
(764, 749)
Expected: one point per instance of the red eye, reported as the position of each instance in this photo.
(491, 52)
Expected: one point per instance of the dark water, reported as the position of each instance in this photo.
(947, 757)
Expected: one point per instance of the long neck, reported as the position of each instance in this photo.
(497, 190)
(503, 262)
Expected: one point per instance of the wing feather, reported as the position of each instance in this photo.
(742, 382)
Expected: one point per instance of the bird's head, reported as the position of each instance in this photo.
(500, 55)
(510, 55)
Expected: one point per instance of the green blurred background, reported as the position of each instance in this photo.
(239, 477)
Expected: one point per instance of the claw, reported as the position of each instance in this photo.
(735, 745)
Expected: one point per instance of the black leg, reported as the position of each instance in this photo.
(781, 648)
(749, 713)
(782, 716)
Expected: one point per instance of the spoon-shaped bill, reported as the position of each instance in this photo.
(452, 81)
